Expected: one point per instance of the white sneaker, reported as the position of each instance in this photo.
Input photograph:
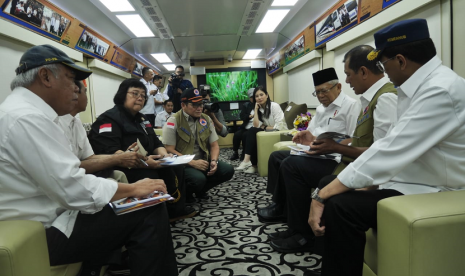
(251, 169)
(243, 165)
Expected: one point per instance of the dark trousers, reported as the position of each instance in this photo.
(145, 233)
(199, 183)
(300, 175)
(174, 181)
(239, 136)
(150, 118)
(347, 217)
(251, 145)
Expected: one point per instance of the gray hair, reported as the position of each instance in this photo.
(333, 82)
(27, 78)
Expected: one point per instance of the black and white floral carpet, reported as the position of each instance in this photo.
(227, 239)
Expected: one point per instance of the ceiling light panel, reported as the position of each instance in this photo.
(136, 25)
(284, 3)
(252, 53)
(162, 58)
(169, 67)
(118, 5)
(271, 20)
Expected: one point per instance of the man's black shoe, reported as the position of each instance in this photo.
(281, 235)
(235, 156)
(293, 244)
(273, 213)
(312, 273)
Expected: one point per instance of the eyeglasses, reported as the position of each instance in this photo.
(323, 91)
(380, 64)
(137, 95)
(197, 105)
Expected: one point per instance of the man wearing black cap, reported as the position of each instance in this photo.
(404, 161)
(337, 113)
(190, 131)
(41, 179)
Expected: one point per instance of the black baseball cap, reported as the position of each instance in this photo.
(46, 54)
(191, 95)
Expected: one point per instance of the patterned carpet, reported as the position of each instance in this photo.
(228, 239)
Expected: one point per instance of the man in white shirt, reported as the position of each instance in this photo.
(41, 179)
(379, 99)
(336, 113)
(163, 116)
(149, 108)
(99, 165)
(404, 161)
(159, 97)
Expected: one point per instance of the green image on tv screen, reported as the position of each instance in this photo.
(231, 86)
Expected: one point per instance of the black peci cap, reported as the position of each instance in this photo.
(46, 54)
(324, 75)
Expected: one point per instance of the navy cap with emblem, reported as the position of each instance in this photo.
(191, 95)
(399, 33)
(46, 54)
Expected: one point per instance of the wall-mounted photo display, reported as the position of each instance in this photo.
(294, 50)
(368, 8)
(340, 18)
(273, 64)
(38, 15)
(92, 43)
(138, 69)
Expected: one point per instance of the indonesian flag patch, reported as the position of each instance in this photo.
(147, 124)
(105, 128)
(170, 125)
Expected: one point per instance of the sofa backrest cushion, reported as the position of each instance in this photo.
(291, 112)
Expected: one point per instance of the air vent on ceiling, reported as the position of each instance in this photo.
(153, 15)
(253, 13)
(256, 6)
(150, 11)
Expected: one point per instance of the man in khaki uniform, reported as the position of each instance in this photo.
(190, 131)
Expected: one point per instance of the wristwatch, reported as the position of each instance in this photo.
(214, 160)
(316, 197)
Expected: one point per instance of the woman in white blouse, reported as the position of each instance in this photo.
(267, 116)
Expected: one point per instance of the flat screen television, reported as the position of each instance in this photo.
(232, 84)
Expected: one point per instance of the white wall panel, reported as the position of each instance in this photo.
(10, 54)
(300, 83)
(103, 86)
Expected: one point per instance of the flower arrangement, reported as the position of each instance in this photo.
(302, 121)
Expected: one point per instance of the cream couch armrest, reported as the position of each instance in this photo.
(23, 249)
(265, 142)
(422, 235)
